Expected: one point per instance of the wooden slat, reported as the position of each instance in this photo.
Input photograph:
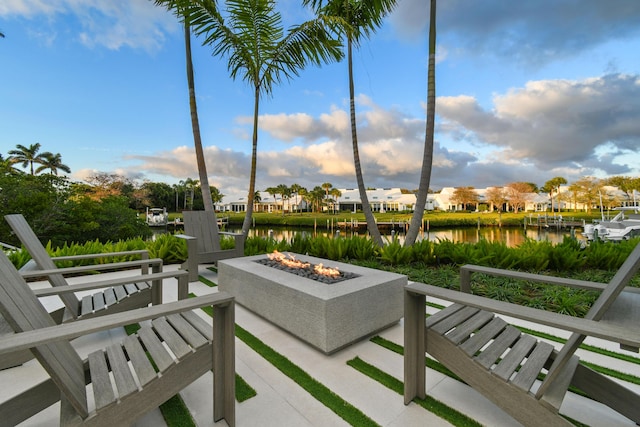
(516, 355)
(464, 330)
(120, 292)
(188, 332)
(131, 288)
(443, 314)
(100, 380)
(199, 323)
(494, 350)
(159, 354)
(125, 382)
(454, 320)
(87, 305)
(110, 297)
(483, 336)
(169, 335)
(98, 301)
(528, 373)
(139, 360)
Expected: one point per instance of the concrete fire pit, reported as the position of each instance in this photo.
(327, 316)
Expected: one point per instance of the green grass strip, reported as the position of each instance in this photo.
(207, 282)
(243, 390)
(429, 403)
(339, 406)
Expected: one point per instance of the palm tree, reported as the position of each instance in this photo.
(7, 168)
(295, 190)
(358, 19)
(335, 193)
(26, 155)
(427, 156)
(554, 185)
(258, 50)
(53, 162)
(195, 127)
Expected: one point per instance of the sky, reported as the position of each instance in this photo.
(526, 91)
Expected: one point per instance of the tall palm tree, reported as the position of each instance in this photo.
(357, 20)
(195, 123)
(427, 156)
(295, 191)
(253, 39)
(53, 162)
(7, 168)
(26, 155)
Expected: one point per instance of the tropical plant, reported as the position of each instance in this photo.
(27, 155)
(53, 162)
(553, 185)
(258, 50)
(427, 155)
(356, 19)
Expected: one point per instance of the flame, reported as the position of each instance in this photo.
(290, 261)
(326, 271)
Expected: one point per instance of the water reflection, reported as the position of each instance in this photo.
(510, 236)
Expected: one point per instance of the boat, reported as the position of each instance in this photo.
(623, 226)
(157, 217)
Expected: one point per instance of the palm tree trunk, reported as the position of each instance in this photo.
(427, 159)
(254, 160)
(197, 140)
(372, 227)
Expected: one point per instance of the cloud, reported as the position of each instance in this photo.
(114, 24)
(554, 122)
(527, 32)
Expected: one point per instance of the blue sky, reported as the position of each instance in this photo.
(526, 91)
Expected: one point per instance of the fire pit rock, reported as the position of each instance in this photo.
(327, 316)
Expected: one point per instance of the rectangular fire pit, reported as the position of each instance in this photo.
(327, 316)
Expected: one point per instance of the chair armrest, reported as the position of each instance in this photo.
(88, 268)
(466, 270)
(141, 252)
(67, 331)
(78, 287)
(609, 332)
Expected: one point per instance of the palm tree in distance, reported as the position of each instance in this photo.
(26, 155)
(358, 19)
(53, 162)
(427, 156)
(259, 51)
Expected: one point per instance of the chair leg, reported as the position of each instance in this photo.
(414, 347)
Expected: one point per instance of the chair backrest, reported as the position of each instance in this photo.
(608, 296)
(24, 312)
(39, 253)
(202, 225)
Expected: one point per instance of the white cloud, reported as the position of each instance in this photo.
(113, 24)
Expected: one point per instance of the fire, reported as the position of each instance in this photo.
(290, 261)
(327, 271)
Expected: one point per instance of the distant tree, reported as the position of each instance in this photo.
(285, 194)
(518, 193)
(102, 185)
(335, 194)
(553, 186)
(53, 162)
(159, 194)
(216, 195)
(496, 196)
(464, 196)
(295, 191)
(624, 183)
(588, 191)
(7, 168)
(26, 155)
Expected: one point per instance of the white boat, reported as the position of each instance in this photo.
(157, 217)
(625, 225)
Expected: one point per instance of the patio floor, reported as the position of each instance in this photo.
(281, 402)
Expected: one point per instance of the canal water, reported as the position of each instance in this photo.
(511, 236)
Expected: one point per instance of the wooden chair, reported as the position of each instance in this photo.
(127, 379)
(503, 364)
(117, 294)
(203, 246)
